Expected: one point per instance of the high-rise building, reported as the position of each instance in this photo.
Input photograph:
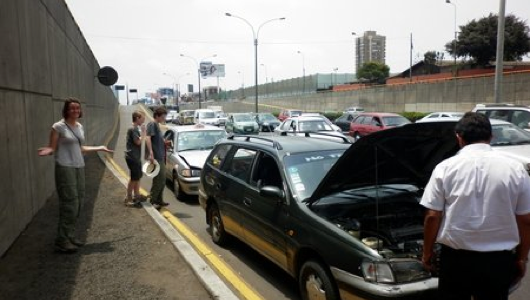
(370, 47)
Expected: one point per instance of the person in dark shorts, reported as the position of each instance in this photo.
(134, 138)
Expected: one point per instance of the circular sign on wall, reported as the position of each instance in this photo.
(107, 76)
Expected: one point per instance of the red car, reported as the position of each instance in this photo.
(366, 123)
(288, 113)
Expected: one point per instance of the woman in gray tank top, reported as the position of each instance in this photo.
(67, 139)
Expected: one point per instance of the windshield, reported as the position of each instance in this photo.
(243, 118)
(188, 113)
(296, 113)
(221, 114)
(306, 170)
(509, 134)
(206, 115)
(395, 121)
(199, 140)
(317, 125)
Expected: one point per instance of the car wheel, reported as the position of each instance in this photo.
(315, 282)
(356, 136)
(177, 190)
(219, 235)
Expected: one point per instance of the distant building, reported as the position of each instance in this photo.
(370, 47)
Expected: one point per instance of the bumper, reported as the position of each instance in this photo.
(353, 285)
(189, 185)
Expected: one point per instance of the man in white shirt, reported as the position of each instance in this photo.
(478, 209)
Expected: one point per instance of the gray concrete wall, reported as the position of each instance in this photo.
(450, 95)
(44, 59)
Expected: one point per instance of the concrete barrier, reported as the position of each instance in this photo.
(44, 59)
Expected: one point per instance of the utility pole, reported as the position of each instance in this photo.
(500, 53)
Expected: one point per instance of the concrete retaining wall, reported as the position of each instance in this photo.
(446, 95)
(44, 59)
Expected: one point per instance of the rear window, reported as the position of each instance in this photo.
(296, 113)
(395, 121)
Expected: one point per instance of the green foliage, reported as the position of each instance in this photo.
(373, 72)
(429, 57)
(413, 115)
(478, 40)
(332, 115)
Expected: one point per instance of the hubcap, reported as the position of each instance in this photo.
(176, 186)
(314, 289)
(216, 225)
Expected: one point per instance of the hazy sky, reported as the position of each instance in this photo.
(142, 39)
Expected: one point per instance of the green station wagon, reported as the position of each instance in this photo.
(344, 220)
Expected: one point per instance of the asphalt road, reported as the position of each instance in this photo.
(264, 277)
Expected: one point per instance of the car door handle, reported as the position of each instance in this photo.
(247, 201)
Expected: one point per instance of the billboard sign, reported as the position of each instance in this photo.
(212, 70)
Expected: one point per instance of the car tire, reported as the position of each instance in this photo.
(356, 136)
(177, 190)
(315, 282)
(219, 235)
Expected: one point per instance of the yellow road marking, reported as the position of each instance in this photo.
(213, 258)
(231, 276)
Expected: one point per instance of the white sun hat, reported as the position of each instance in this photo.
(151, 169)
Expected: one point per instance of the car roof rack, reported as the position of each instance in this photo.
(309, 133)
(248, 138)
(497, 105)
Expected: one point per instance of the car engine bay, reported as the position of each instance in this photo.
(388, 219)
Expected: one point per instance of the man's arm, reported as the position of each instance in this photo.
(523, 224)
(431, 225)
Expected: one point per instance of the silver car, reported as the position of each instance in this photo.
(189, 145)
(303, 124)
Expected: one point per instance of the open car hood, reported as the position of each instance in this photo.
(406, 154)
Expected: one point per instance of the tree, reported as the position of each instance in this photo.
(478, 40)
(373, 72)
(429, 57)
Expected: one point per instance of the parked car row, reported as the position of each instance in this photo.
(293, 197)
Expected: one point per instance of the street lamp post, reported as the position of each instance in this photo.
(198, 71)
(242, 83)
(334, 72)
(174, 86)
(354, 58)
(178, 86)
(454, 43)
(266, 77)
(255, 35)
(303, 70)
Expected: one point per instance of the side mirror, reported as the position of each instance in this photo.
(271, 191)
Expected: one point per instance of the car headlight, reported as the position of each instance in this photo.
(377, 272)
(190, 173)
(398, 271)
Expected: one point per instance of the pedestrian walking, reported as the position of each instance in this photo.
(134, 138)
(478, 209)
(67, 138)
(156, 146)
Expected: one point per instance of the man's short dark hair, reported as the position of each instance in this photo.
(474, 127)
(159, 111)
